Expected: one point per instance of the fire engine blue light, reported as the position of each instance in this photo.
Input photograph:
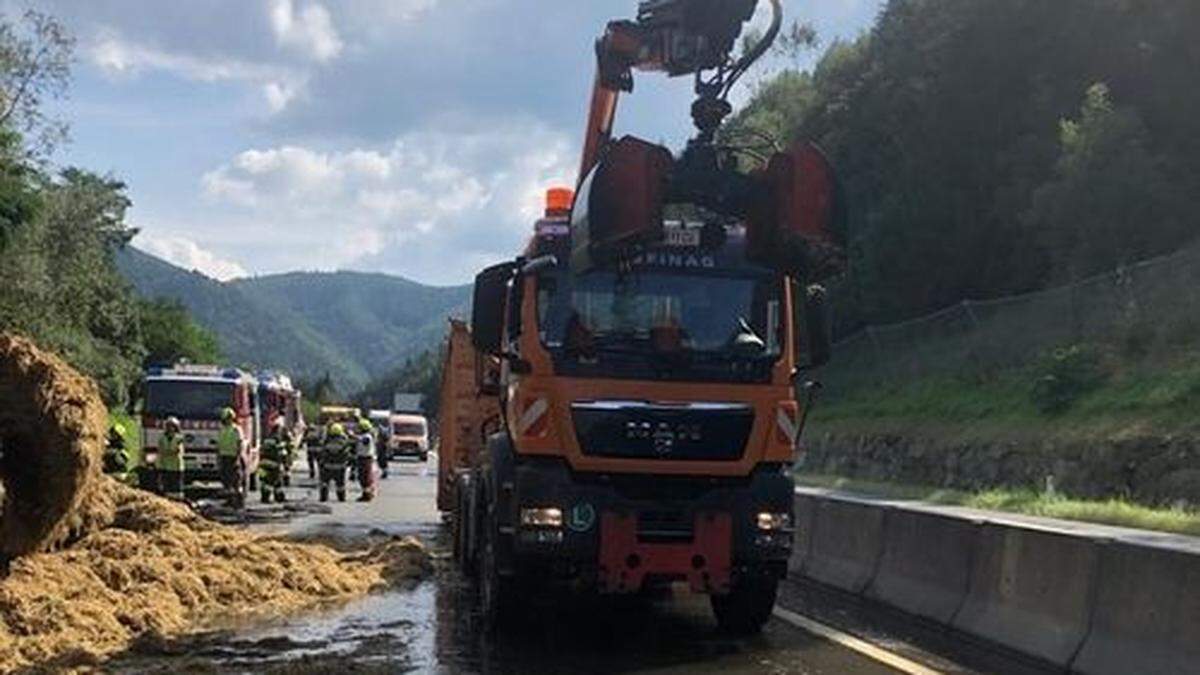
(231, 374)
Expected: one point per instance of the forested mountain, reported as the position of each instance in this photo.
(353, 326)
(60, 228)
(990, 147)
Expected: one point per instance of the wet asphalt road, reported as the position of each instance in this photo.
(434, 627)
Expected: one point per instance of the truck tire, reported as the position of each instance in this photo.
(456, 535)
(497, 595)
(747, 606)
(461, 517)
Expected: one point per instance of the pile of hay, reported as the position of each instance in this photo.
(52, 429)
(161, 569)
(94, 564)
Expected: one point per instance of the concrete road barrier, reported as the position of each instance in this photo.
(847, 539)
(806, 518)
(1031, 590)
(1147, 613)
(926, 563)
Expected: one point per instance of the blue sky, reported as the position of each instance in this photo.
(413, 137)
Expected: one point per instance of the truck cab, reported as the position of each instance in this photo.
(196, 394)
(647, 421)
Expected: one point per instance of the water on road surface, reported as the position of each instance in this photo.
(434, 627)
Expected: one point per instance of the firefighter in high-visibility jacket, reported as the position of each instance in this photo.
(365, 458)
(116, 454)
(170, 460)
(273, 464)
(230, 444)
(336, 454)
(291, 447)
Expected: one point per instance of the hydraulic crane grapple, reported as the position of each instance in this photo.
(623, 411)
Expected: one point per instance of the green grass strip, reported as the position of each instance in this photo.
(1177, 520)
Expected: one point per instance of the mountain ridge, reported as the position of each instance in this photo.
(356, 326)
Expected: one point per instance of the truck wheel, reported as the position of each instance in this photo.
(496, 593)
(459, 535)
(747, 606)
(424, 456)
(458, 540)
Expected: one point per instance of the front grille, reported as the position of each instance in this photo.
(639, 430)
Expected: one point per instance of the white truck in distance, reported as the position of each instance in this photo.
(409, 436)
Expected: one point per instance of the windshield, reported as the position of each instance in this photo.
(188, 400)
(737, 317)
(340, 415)
(408, 429)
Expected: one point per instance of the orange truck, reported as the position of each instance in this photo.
(622, 411)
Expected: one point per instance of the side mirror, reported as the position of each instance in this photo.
(487, 307)
(817, 333)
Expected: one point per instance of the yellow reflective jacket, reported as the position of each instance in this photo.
(229, 441)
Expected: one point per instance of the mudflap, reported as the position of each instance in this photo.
(705, 561)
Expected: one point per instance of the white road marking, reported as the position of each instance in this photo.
(855, 644)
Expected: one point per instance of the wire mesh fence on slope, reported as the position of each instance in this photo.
(1142, 309)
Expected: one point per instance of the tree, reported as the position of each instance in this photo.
(419, 375)
(322, 390)
(171, 335)
(943, 122)
(1110, 201)
(35, 64)
(19, 199)
(60, 286)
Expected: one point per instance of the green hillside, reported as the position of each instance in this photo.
(352, 325)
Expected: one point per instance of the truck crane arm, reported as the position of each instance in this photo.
(679, 37)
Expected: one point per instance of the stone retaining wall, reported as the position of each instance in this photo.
(1157, 470)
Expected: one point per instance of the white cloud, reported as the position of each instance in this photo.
(309, 31)
(119, 57)
(190, 256)
(378, 19)
(429, 205)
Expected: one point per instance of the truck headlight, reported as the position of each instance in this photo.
(550, 516)
(773, 522)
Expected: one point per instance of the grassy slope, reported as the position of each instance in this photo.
(1030, 502)
(1158, 398)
